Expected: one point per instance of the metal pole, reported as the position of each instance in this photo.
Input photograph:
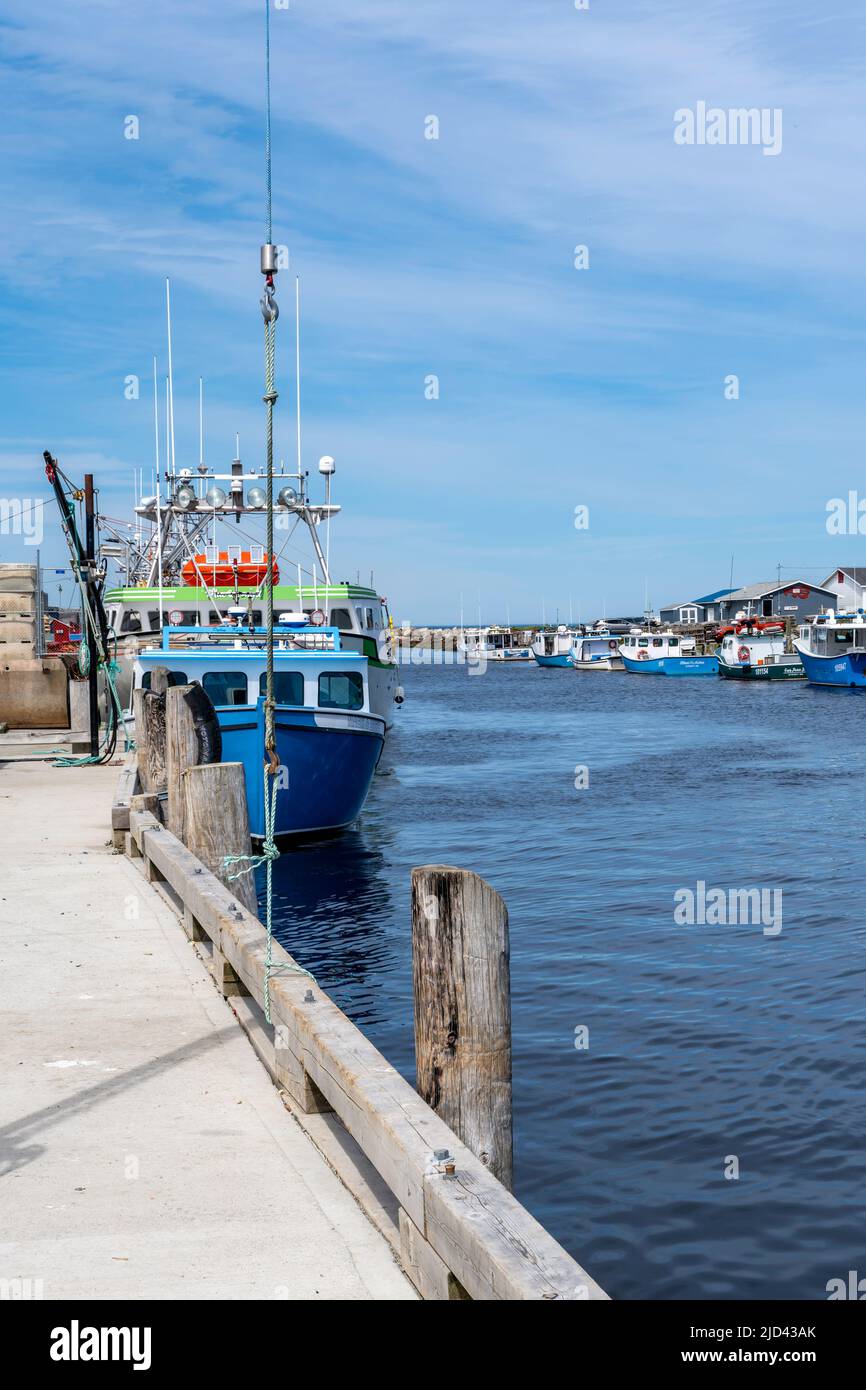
(92, 645)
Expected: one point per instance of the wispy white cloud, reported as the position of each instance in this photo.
(450, 257)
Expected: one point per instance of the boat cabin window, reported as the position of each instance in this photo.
(673, 641)
(288, 687)
(643, 642)
(342, 690)
(225, 687)
(174, 678)
(187, 618)
(371, 618)
(843, 637)
(341, 617)
(657, 642)
(131, 621)
(359, 614)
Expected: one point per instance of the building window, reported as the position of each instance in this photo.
(288, 687)
(688, 615)
(343, 690)
(226, 687)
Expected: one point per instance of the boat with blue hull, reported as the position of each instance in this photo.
(832, 648)
(653, 653)
(554, 648)
(328, 741)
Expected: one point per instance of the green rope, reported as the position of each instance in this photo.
(254, 861)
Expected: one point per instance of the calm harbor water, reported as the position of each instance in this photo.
(705, 1041)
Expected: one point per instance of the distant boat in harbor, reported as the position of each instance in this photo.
(832, 648)
(596, 651)
(494, 644)
(648, 652)
(554, 648)
(756, 650)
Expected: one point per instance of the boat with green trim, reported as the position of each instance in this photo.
(167, 542)
(755, 650)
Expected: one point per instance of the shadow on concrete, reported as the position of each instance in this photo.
(16, 1146)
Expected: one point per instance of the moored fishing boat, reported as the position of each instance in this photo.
(648, 652)
(596, 651)
(492, 644)
(832, 648)
(328, 740)
(553, 648)
(756, 650)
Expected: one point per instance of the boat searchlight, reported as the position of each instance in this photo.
(185, 497)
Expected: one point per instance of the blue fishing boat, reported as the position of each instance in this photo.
(832, 648)
(653, 653)
(328, 742)
(554, 648)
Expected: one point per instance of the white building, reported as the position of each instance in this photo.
(849, 586)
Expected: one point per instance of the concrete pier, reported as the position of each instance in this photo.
(144, 1150)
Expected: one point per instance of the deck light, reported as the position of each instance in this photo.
(256, 497)
(215, 497)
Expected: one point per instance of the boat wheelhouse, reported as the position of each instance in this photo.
(649, 652)
(328, 738)
(360, 614)
(832, 648)
(756, 650)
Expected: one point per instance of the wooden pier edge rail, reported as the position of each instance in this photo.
(461, 1232)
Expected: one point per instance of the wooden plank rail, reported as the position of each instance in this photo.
(127, 787)
(462, 1233)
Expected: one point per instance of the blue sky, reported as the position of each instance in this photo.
(454, 257)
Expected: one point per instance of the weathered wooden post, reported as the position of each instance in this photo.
(462, 989)
(181, 751)
(149, 711)
(216, 823)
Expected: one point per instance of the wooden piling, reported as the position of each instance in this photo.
(462, 990)
(148, 707)
(216, 823)
(181, 752)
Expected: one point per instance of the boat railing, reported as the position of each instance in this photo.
(286, 637)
